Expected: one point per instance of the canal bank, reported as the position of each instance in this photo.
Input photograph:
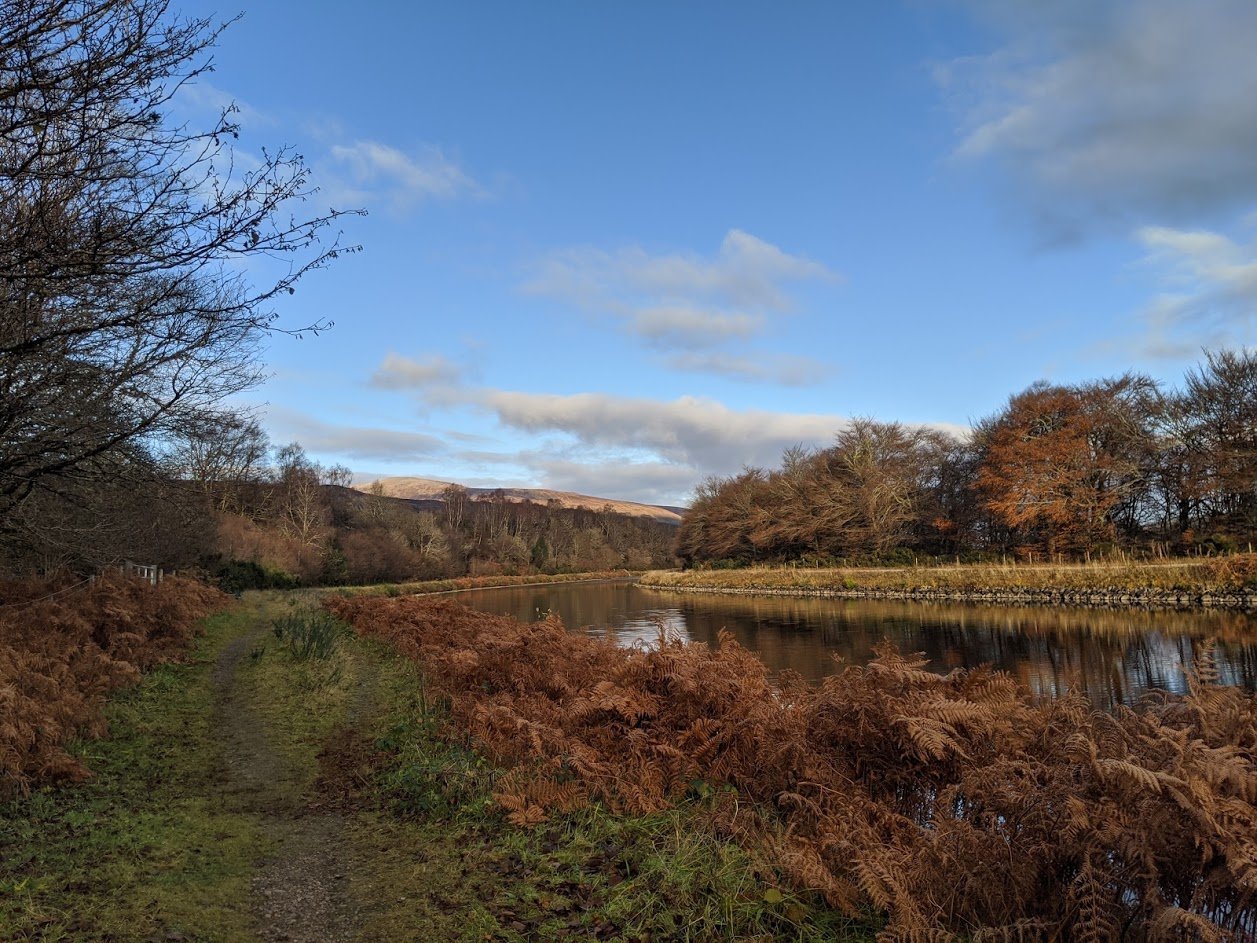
(1216, 583)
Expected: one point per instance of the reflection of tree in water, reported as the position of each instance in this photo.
(1111, 655)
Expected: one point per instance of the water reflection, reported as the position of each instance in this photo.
(1114, 656)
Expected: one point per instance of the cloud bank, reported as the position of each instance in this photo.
(1136, 111)
(618, 446)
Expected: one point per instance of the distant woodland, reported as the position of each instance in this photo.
(1062, 471)
(249, 516)
(296, 522)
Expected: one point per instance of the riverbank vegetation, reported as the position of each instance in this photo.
(953, 804)
(1098, 470)
(65, 648)
(460, 583)
(1196, 577)
(218, 770)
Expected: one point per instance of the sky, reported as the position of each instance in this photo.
(619, 247)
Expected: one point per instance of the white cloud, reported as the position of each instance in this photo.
(402, 373)
(647, 482)
(746, 272)
(669, 326)
(674, 444)
(368, 172)
(680, 300)
(354, 442)
(1210, 290)
(761, 368)
(1133, 110)
(203, 98)
(700, 433)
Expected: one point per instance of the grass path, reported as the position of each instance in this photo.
(247, 797)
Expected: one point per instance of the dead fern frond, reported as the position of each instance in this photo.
(953, 803)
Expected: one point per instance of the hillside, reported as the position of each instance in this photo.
(420, 489)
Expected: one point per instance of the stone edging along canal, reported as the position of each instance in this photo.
(1110, 598)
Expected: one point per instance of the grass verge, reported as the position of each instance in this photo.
(1235, 574)
(145, 849)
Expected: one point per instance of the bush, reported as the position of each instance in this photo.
(309, 633)
(237, 576)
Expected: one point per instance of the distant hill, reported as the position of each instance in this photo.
(429, 489)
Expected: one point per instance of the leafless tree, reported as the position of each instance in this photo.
(455, 498)
(124, 316)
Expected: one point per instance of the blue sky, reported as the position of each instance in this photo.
(618, 247)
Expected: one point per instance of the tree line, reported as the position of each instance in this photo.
(280, 518)
(1069, 470)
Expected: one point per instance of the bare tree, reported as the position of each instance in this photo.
(1218, 426)
(221, 457)
(123, 317)
(304, 512)
(455, 498)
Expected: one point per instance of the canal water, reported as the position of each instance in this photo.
(1114, 656)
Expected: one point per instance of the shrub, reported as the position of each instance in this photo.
(309, 633)
(237, 576)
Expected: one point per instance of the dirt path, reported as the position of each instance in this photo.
(301, 893)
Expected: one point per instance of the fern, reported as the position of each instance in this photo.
(956, 804)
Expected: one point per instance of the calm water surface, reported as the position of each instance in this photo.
(1114, 656)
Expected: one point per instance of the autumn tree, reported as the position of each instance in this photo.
(870, 486)
(867, 494)
(1062, 464)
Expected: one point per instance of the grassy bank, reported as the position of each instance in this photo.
(231, 785)
(1192, 577)
(459, 583)
(146, 846)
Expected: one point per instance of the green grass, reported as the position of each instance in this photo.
(141, 849)
(301, 700)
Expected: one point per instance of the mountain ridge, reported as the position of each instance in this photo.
(415, 488)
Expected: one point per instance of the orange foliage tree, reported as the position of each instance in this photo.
(1059, 462)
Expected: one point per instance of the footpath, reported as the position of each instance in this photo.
(250, 796)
